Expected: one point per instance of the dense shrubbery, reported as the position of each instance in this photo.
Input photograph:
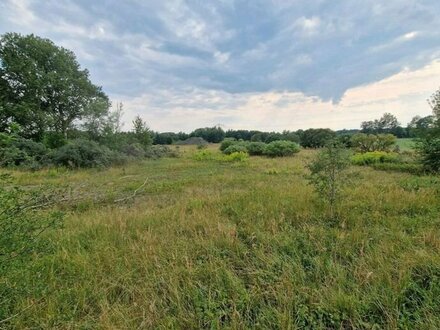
(208, 155)
(256, 148)
(238, 147)
(281, 149)
(372, 142)
(316, 137)
(374, 157)
(79, 153)
(273, 149)
(83, 153)
(429, 150)
(226, 143)
(159, 151)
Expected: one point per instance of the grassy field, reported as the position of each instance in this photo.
(208, 244)
(406, 144)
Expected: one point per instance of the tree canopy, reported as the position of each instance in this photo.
(42, 87)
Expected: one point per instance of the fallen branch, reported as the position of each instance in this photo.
(133, 195)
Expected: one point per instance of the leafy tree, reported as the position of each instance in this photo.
(434, 102)
(211, 134)
(281, 149)
(388, 123)
(371, 142)
(420, 126)
(142, 132)
(43, 87)
(328, 174)
(316, 137)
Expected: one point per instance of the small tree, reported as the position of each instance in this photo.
(328, 174)
(21, 222)
(142, 132)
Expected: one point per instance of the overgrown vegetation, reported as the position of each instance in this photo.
(211, 244)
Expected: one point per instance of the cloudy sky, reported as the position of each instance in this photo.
(251, 64)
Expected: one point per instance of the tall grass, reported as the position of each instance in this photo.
(213, 245)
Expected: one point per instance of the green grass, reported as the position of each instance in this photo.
(210, 244)
(406, 144)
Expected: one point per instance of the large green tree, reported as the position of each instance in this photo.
(42, 87)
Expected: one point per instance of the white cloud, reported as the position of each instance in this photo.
(403, 94)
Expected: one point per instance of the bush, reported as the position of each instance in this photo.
(192, 141)
(374, 157)
(416, 169)
(204, 154)
(238, 147)
(22, 222)
(327, 174)
(281, 148)
(160, 151)
(429, 150)
(133, 150)
(236, 157)
(256, 148)
(227, 143)
(316, 137)
(371, 142)
(83, 153)
(23, 152)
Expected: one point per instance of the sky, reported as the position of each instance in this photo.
(248, 64)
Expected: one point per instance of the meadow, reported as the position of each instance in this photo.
(191, 243)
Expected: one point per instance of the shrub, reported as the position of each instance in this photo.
(316, 137)
(227, 143)
(371, 142)
(236, 157)
(429, 150)
(374, 157)
(256, 148)
(21, 222)
(133, 150)
(416, 169)
(23, 152)
(238, 147)
(281, 148)
(204, 154)
(83, 153)
(327, 173)
(192, 141)
(160, 151)
(54, 140)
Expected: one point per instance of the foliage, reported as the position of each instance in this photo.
(211, 134)
(43, 87)
(216, 246)
(22, 222)
(327, 174)
(281, 149)
(434, 102)
(316, 137)
(387, 123)
(429, 150)
(374, 157)
(160, 151)
(370, 142)
(18, 151)
(204, 155)
(237, 147)
(141, 132)
(227, 142)
(236, 157)
(83, 153)
(192, 141)
(412, 168)
(256, 148)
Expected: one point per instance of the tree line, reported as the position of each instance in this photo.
(47, 101)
